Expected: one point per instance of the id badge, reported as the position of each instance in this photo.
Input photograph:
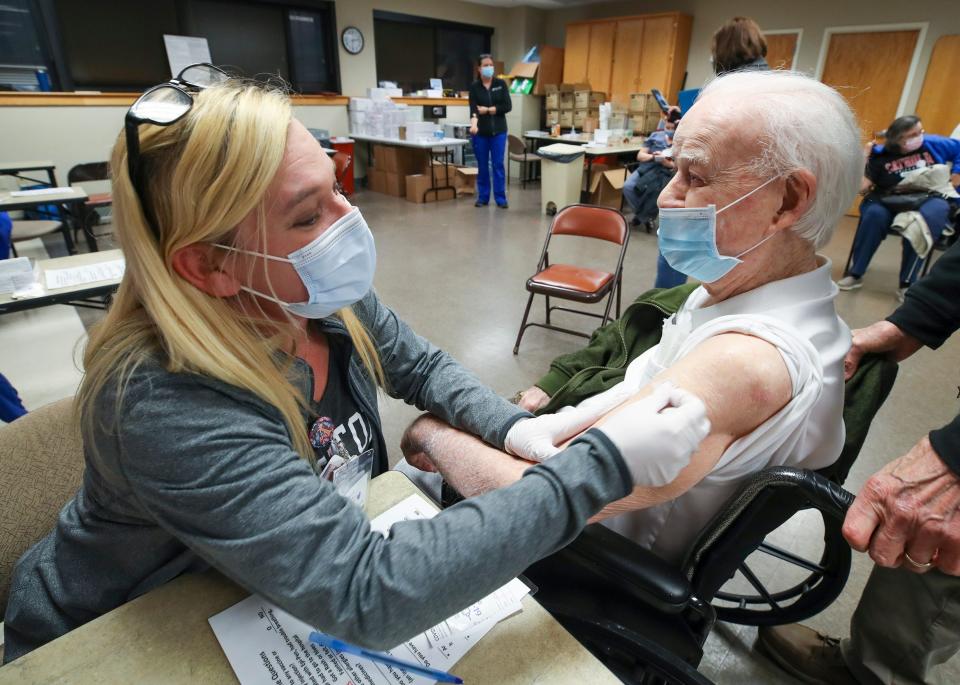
(352, 480)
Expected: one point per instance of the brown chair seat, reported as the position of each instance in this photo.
(570, 277)
(524, 157)
(99, 200)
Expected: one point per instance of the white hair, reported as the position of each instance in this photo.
(802, 124)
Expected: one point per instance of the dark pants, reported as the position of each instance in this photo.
(904, 627)
(875, 221)
(490, 153)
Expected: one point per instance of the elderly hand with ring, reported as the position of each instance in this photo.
(908, 514)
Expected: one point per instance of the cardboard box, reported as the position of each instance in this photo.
(466, 180)
(553, 117)
(643, 103)
(376, 180)
(552, 99)
(395, 184)
(645, 123)
(418, 184)
(446, 174)
(568, 100)
(385, 157)
(566, 118)
(411, 160)
(524, 70)
(580, 116)
(606, 188)
(588, 99)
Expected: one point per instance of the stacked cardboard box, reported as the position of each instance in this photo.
(588, 99)
(419, 184)
(644, 112)
(582, 116)
(392, 164)
(566, 118)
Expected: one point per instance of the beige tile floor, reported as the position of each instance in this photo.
(456, 274)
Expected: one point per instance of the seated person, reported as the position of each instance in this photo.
(759, 341)
(907, 148)
(653, 173)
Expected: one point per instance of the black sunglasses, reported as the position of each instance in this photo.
(161, 106)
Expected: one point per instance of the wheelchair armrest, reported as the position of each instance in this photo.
(634, 570)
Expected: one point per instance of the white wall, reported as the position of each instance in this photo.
(813, 16)
(71, 135)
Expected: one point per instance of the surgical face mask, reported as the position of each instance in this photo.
(336, 268)
(687, 238)
(912, 143)
(486, 72)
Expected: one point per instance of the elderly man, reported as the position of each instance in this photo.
(760, 341)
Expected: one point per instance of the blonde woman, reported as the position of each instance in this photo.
(243, 340)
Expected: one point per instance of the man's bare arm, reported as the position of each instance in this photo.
(742, 380)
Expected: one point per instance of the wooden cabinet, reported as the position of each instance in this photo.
(629, 54)
(575, 53)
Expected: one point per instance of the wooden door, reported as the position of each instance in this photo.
(600, 61)
(939, 104)
(781, 47)
(626, 59)
(656, 59)
(576, 52)
(870, 70)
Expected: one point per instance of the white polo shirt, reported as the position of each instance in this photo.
(798, 317)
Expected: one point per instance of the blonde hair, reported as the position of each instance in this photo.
(206, 173)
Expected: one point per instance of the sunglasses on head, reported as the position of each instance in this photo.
(163, 105)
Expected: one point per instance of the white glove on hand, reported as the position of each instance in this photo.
(537, 439)
(657, 435)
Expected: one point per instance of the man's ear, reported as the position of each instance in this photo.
(199, 264)
(799, 192)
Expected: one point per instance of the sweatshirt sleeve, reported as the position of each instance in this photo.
(224, 480)
(931, 308)
(506, 103)
(605, 345)
(473, 101)
(425, 376)
(946, 443)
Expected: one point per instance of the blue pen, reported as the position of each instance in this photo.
(341, 646)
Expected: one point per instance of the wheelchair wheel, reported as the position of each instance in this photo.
(634, 659)
(775, 586)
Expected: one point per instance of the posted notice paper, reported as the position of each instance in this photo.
(264, 644)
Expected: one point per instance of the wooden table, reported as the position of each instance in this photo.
(71, 202)
(164, 637)
(95, 295)
(434, 146)
(15, 169)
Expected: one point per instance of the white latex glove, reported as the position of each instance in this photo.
(657, 435)
(537, 439)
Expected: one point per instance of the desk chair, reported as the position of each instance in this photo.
(647, 619)
(41, 467)
(28, 229)
(576, 283)
(85, 173)
(517, 152)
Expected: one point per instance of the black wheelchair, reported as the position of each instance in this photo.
(647, 620)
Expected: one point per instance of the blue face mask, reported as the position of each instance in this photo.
(336, 268)
(687, 238)
(486, 72)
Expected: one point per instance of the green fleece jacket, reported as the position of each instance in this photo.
(603, 362)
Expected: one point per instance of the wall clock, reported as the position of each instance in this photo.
(352, 40)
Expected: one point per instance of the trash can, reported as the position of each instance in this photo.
(345, 145)
(562, 176)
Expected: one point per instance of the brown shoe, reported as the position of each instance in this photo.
(807, 655)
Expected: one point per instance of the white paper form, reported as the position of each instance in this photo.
(78, 275)
(15, 274)
(182, 51)
(264, 644)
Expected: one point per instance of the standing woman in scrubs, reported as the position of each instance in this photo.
(489, 103)
(245, 336)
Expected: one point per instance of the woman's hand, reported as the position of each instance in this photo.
(474, 130)
(483, 110)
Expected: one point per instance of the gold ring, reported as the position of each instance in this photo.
(917, 564)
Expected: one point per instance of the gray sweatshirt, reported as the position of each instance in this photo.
(192, 473)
